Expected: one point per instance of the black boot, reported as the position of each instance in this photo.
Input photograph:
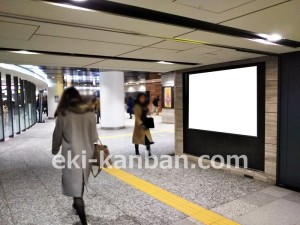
(78, 205)
(74, 210)
(149, 150)
(137, 152)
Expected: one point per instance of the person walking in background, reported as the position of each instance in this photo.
(155, 103)
(141, 134)
(130, 105)
(76, 131)
(96, 103)
(45, 106)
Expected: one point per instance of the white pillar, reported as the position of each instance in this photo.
(112, 100)
(55, 91)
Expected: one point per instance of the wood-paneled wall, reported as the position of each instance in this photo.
(271, 119)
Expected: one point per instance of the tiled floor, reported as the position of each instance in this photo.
(30, 191)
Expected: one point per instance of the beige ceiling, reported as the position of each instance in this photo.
(46, 60)
(35, 25)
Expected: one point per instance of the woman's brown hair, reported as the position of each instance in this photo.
(69, 97)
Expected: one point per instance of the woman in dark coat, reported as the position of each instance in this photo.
(76, 131)
(130, 105)
(141, 134)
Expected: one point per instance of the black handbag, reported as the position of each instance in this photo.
(149, 122)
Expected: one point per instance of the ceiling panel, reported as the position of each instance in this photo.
(44, 60)
(69, 45)
(229, 54)
(123, 65)
(39, 9)
(96, 35)
(80, 46)
(203, 57)
(174, 45)
(191, 3)
(172, 7)
(152, 53)
(169, 68)
(137, 66)
(212, 38)
(199, 50)
(194, 55)
(283, 19)
(216, 6)
(16, 30)
(224, 56)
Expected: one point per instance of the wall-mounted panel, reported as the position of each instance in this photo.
(239, 137)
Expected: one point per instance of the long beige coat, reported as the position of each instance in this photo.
(140, 133)
(76, 132)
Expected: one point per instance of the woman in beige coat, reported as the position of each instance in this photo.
(141, 134)
(76, 131)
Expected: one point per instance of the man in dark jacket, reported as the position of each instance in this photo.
(130, 105)
(155, 105)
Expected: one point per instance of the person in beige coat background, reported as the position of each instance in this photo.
(141, 134)
(76, 131)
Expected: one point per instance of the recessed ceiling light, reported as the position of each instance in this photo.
(271, 37)
(53, 77)
(164, 62)
(69, 6)
(25, 52)
(78, 70)
(274, 37)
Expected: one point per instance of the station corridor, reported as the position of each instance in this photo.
(220, 80)
(31, 188)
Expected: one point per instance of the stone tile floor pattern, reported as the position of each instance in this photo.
(30, 188)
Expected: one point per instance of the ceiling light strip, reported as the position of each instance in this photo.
(69, 6)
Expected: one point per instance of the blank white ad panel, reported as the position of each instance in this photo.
(224, 101)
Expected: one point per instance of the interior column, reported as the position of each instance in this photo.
(55, 90)
(112, 100)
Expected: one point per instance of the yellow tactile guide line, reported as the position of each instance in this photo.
(190, 209)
